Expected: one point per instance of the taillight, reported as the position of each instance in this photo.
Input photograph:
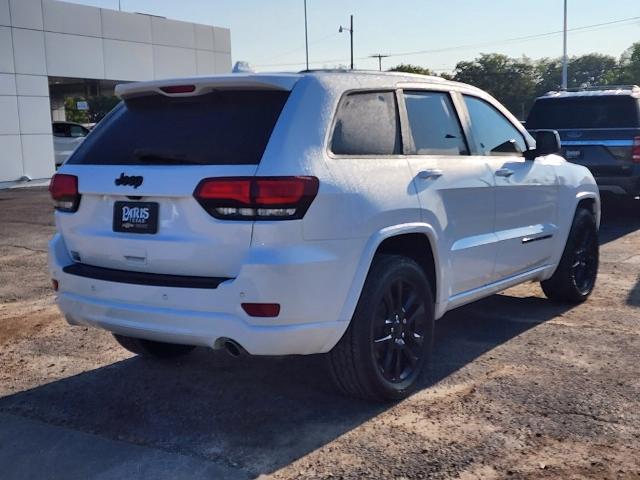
(636, 150)
(257, 198)
(64, 191)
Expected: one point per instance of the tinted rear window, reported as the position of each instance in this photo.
(367, 124)
(584, 112)
(221, 128)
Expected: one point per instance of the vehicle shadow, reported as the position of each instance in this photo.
(634, 295)
(254, 414)
(619, 218)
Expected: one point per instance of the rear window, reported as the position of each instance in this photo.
(220, 128)
(585, 112)
(367, 124)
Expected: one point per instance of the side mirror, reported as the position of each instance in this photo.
(547, 143)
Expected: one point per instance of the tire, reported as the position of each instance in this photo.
(575, 277)
(149, 348)
(386, 348)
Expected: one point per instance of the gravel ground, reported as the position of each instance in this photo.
(521, 387)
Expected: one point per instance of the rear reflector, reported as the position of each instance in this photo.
(178, 89)
(257, 198)
(64, 191)
(636, 150)
(261, 309)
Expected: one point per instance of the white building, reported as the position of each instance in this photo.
(47, 44)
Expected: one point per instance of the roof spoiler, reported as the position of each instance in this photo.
(188, 87)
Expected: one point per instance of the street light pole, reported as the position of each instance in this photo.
(350, 30)
(565, 59)
(306, 36)
(351, 35)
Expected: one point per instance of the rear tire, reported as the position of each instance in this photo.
(383, 354)
(149, 348)
(575, 277)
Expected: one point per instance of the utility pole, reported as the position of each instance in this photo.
(565, 59)
(119, 6)
(350, 30)
(379, 56)
(306, 35)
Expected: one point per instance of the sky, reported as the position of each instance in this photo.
(270, 34)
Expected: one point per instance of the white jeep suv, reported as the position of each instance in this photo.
(320, 212)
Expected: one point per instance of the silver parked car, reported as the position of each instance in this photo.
(66, 137)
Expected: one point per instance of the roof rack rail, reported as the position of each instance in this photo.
(603, 87)
(634, 90)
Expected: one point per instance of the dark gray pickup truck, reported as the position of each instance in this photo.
(599, 128)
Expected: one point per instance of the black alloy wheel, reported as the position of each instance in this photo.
(399, 330)
(585, 261)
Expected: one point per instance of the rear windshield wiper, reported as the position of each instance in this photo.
(163, 157)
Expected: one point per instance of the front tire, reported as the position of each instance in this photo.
(575, 277)
(149, 348)
(387, 345)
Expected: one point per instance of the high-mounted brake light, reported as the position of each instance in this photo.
(178, 89)
(636, 150)
(64, 191)
(257, 198)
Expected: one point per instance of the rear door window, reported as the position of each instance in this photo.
(434, 124)
(220, 128)
(585, 112)
(495, 134)
(367, 124)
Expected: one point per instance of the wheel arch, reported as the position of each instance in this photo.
(583, 199)
(399, 239)
(590, 201)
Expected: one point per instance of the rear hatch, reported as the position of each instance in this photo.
(137, 172)
(597, 131)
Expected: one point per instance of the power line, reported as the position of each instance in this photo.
(517, 39)
(473, 45)
(296, 50)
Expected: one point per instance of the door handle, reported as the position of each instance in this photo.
(504, 172)
(430, 174)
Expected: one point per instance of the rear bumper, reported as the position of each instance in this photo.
(629, 185)
(197, 328)
(310, 285)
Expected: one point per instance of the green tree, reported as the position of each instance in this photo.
(584, 71)
(548, 73)
(408, 68)
(71, 110)
(629, 68)
(512, 81)
(589, 70)
(101, 105)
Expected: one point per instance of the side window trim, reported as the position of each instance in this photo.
(463, 115)
(334, 119)
(410, 149)
(406, 137)
(477, 150)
